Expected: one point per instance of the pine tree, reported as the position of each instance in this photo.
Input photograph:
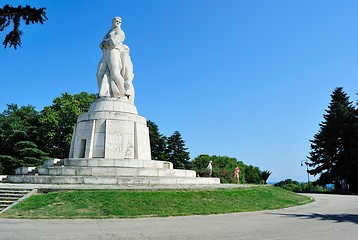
(333, 149)
(177, 152)
(158, 142)
(9, 14)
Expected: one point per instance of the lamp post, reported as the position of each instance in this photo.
(308, 174)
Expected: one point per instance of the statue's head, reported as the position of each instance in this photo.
(116, 22)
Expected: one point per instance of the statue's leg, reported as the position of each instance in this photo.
(130, 91)
(115, 91)
(101, 70)
(103, 79)
(115, 65)
(104, 90)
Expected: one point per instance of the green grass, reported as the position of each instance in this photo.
(132, 204)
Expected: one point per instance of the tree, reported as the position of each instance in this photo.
(57, 121)
(265, 175)
(177, 152)
(20, 138)
(10, 14)
(252, 174)
(18, 124)
(289, 185)
(223, 167)
(158, 142)
(333, 152)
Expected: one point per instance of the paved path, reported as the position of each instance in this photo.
(329, 217)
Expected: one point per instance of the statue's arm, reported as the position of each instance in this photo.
(114, 39)
(117, 39)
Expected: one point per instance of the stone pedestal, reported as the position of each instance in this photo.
(111, 129)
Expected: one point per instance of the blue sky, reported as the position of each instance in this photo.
(246, 79)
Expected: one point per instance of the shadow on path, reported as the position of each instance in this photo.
(339, 218)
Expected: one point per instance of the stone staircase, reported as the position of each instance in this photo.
(11, 196)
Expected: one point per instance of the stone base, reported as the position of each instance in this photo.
(102, 171)
(111, 180)
(107, 162)
(111, 129)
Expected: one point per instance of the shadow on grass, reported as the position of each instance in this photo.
(338, 218)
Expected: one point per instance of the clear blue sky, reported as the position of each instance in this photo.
(246, 79)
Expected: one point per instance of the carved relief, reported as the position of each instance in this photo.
(114, 141)
(129, 151)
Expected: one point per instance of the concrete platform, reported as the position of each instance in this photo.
(102, 171)
(100, 180)
(115, 172)
(107, 162)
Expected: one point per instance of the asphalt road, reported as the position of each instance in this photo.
(329, 217)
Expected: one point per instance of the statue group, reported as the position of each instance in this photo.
(115, 69)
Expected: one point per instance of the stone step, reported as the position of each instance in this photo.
(53, 162)
(3, 206)
(25, 170)
(7, 201)
(4, 180)
(14, 191)
(9, 196)
(115, 172)
(4, 198)
(112, 180)
(60, 162)
(33, 172)
(104, 162)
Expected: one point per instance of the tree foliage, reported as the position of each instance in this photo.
(158, 142)
(252, 174)
(334, 148)
(170, 149)
(176, 151)
(10, 14)
(19, 138)
(289, 185)
(265, 175)
(27, 137)
(57, 121)
(223, 168)
(295, 186)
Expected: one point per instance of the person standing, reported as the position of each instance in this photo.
(210, 168)
(237, 174)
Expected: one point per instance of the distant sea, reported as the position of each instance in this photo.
(273, 183)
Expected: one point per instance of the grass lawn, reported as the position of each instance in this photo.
(131, 204)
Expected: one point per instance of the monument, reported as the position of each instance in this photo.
(110, 142)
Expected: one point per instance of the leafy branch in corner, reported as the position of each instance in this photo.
(10, 14)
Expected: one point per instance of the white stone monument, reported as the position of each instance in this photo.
(110, 142)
